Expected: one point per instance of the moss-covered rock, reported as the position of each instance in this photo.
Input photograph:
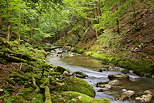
(78, 85)
(79, 74)
(76, 97)
(61, 69)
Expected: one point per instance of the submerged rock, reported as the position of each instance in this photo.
(117, 76)
(103, 69)
(80, 74)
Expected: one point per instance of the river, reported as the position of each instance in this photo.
(90, 66)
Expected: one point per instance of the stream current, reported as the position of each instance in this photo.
(76, 62)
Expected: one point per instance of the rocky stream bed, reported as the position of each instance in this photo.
(115, 83)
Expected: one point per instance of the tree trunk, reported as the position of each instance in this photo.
(19, 37)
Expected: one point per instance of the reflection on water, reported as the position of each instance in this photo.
(90, 67)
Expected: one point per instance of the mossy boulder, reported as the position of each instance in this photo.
(79, 74)
(78, 85)
(61, 69)
(76, 97)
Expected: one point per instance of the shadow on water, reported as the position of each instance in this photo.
(90, 66)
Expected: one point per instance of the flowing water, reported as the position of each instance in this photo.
(90, 66)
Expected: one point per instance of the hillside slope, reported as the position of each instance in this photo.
(127, 41)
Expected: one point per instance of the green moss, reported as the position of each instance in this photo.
(11, 58)
(149, 52)
(26, 90)
(78, 85)
(10, 81)
(39, 98)
(37, 89)
(18, 76)
(19, 99)
(139, 67)
(27, 93)
(79, 50)
(45, 82)
(61, 69)
(47, 95)
(26, 68)
(76, 97)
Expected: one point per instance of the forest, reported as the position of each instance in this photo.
(51, 49)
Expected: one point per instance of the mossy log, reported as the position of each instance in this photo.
(10, 81)
(46, 81)
(47, 95)
(37, 89)
(19, 76)
(11, 58)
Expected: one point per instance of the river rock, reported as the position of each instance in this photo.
(61, 69)
(80, 74)
(126, 94)
(60, 52)
(125, 71)
(66, 73)
(117, 76)
(148, 92)
(104, 85)
(103, 69)
(114, 82)
(144, 98)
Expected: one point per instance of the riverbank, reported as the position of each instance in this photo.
(26, 77)
(142, 67)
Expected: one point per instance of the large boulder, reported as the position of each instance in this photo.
(79, 74)
(117, 76)
(76, 84)
(76, 97)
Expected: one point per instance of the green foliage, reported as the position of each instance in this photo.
(7, 98)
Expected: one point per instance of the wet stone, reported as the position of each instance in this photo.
(80, 74)
(117, 76)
